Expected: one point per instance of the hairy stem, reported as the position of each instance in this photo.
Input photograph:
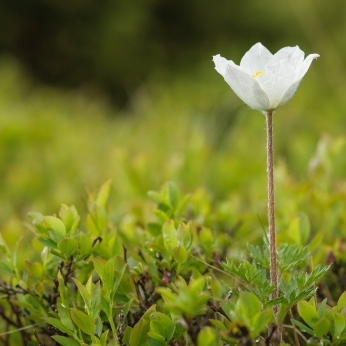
(271, 218)
(271, 205)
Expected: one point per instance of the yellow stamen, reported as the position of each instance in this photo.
(256, 74)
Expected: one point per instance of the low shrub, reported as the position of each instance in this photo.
(161, 278)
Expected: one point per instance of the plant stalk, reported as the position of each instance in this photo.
(271, 214)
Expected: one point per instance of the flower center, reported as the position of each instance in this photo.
(256, 74)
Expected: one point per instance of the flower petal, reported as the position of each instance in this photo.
(293, 55)
(306, 64)
(220, 64)
(265, 81)
(275, 81)
(256, 58)
(246, 87)
(288, 93)
(293, 87)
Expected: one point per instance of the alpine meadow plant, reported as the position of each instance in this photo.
(265, 82)
(178, 270)
(155, 279)
(141, 283)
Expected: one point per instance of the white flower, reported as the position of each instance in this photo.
(265, 81)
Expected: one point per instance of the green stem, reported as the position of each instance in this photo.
(111, 322)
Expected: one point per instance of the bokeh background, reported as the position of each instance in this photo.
(92, 90)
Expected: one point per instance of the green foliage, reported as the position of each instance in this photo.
(324, 324)
(153, 284)
(294, 284)
(189, 301)
(93, 290)
(125, 274)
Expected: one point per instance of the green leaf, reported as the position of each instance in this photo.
(104, 337)
(6, 268)
(113, 342)
(57, 253)
(316, 241)
(154, 228)
(207, 337)
(322, 327)
(299, 229)
(126, 338)
(179, 330)
(303, 327)
(57, 324)
(329, 313)
(34, 269)
(180, 254)
(47, 242)
(161, 215)
(119, 277)
(342, 301)
(55, 227)
(127, 307)
(65, 318)
(159, 339)
(37, 221)
(99, 326)
(307, 312)
(90, 285)
(184, 235)
(103, 194)
(97, 220)
(167, 295)
(67, 246)
(83, 292)
(108, 275)
(171, 195)
(83, 321)
(162, 325)
(247, 306)
(95, 301)
(169, 233)
(63, 340)
(99, 265)
(62, 289)
(155, 196)
(260, 321)
(190, 301)
(338, 325)
(182, 205)
(69, 216)
(217, 324)
(321, 308)
(85, 244)
(139, 333)
(207, 240)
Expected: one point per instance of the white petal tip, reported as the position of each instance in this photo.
(313, 56)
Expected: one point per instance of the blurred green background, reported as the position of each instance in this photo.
(92, 90)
